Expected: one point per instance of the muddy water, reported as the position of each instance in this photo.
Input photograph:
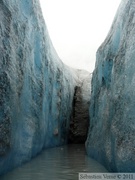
(61, 163)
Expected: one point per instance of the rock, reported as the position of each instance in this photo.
(36, 88)
(111, 138)
(80, 114)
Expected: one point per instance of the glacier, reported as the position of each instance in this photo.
(36, 88)
(111, 138)
(44, 103)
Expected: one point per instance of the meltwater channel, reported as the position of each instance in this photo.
(60, 163)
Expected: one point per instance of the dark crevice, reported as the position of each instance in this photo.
(79, 122)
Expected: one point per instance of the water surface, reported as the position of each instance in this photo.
(61, 163)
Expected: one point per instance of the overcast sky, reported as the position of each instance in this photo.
(78, 27)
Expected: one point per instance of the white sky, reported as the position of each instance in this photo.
(78, 27)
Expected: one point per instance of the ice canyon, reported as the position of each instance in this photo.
(44, 103)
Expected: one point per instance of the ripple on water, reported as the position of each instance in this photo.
(61, 163)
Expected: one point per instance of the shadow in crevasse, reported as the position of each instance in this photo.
(79, 121)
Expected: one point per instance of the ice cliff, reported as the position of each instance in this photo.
(111, 138)
(36, 88)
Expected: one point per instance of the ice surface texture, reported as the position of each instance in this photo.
(36, 88)
(111, 138)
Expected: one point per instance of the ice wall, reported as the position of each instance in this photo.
(111, 138)
(36, 88)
